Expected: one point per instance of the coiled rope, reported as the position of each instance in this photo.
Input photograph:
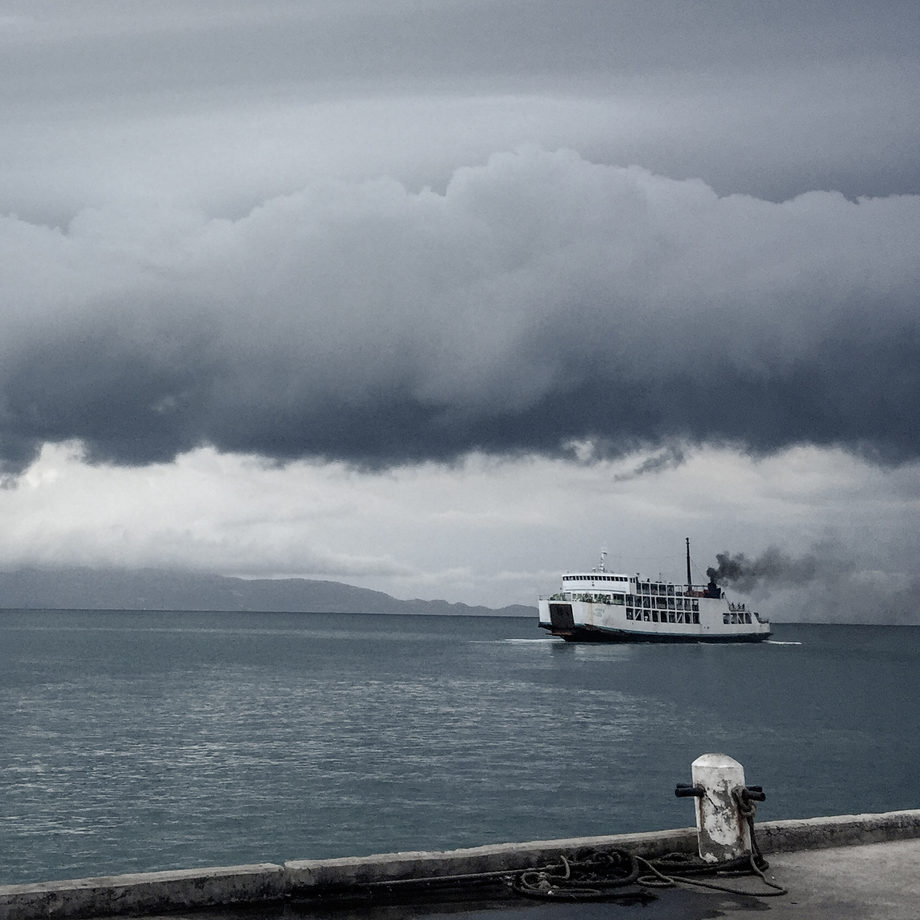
(604, 874)
(592, 875)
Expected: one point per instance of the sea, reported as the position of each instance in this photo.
(140, 741)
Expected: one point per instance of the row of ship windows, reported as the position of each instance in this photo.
(592, 578)
(664, 616)
(652, 587)
(671, 603)
(632, 600)
(673, 616)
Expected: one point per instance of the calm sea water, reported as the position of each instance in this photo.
(142, 741)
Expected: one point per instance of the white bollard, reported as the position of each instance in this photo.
(723, 831)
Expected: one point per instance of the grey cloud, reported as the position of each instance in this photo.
(541, 299)
(221, 44)
(765, 98)
(667, 458)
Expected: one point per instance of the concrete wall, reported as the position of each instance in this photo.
(156, 892)
(837, 831)
(143, 893)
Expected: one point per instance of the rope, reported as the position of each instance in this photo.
(589, 875)
(603, 874)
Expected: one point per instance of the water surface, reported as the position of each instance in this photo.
(139, 741)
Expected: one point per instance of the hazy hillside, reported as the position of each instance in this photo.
(156, 589)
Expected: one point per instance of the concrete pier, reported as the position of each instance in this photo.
(144, 893)
(868, 859)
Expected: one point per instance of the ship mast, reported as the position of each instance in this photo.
(689, 576)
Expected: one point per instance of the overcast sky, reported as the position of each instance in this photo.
(440, 297)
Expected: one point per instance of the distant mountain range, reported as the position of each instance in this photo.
(159, 589)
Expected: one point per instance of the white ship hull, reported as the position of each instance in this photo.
(600, 606)
(598, 622)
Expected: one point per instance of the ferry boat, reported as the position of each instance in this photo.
(602, 606)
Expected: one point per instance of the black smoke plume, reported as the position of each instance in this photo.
(772, 567)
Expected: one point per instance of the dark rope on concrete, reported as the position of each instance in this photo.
(597, 875)
(589, 875)
(603, 875)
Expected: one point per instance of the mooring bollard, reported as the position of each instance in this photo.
(723, 807)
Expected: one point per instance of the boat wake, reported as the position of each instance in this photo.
(543, 640)
(778, 642)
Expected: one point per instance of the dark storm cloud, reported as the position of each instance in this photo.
(542, 299)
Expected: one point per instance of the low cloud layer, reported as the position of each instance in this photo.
(541, 299)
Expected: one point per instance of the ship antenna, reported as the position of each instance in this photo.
(603, 565)
(689, 576)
